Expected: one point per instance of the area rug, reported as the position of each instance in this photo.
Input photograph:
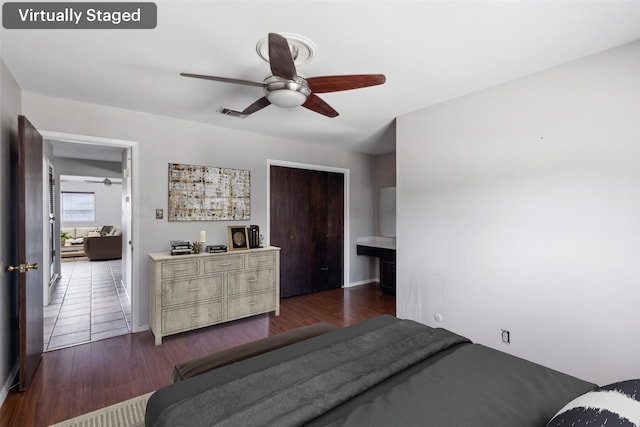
(129, 413)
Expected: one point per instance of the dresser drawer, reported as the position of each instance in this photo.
(262, 259)
(251, 281)
(172, 269)
(191, 317)
(192, 290)
(223, 263)
(241, 306)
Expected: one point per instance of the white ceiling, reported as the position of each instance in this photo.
(430, 51)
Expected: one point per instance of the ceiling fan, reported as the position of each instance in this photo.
(285, 88)
(107, 182)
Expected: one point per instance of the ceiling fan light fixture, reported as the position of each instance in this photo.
(286, 93)
(286, 98)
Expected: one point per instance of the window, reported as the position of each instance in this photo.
(78, 206)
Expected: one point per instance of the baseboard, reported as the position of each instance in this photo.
(140, 328)
(124, 287)
(52, 286)
(362, 282)
(8, 383)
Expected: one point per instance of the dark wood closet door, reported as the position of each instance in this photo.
(296, 224)
(318, 268)
(335, 235)
(307, 223)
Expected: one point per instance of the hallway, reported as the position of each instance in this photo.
(88, 304)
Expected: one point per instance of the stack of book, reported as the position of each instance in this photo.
(181, 247)
(214, 249)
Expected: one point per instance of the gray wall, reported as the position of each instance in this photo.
(163, 140)
(10, 107)
(519, 209)
(83, 167)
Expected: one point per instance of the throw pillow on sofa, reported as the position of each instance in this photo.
(106, 230)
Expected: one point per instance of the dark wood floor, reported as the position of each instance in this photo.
(80, 379)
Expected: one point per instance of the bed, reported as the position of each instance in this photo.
(383, 371)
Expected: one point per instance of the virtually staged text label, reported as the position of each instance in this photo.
(26, 15)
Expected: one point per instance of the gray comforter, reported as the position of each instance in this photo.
(380, 372)
(299, 390)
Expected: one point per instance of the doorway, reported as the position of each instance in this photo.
(82, 155)
(307, 221)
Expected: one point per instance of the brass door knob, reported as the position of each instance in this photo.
(22, 268)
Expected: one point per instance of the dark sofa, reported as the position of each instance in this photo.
(103, 248)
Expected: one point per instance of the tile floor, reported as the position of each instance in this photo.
(88, 304)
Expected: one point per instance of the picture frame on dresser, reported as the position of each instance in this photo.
(238, 237)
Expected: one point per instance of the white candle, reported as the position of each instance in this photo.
(203, 236)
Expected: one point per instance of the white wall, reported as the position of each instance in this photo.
(10, 107)
(519, 209)
(163, 140)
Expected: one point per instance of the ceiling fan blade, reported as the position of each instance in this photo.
(280, 58)
(256, 106)
(314, 103)
(326, 84)
(222, 79)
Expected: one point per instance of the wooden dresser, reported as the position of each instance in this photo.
(193, 291)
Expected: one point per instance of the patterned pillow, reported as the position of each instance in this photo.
(615, 404)
(106, 230)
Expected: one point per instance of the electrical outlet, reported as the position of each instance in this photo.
(506, 336)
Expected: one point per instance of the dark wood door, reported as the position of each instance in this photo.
(335, 229)
(307, 223)
(319, 230)
(29, 218)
